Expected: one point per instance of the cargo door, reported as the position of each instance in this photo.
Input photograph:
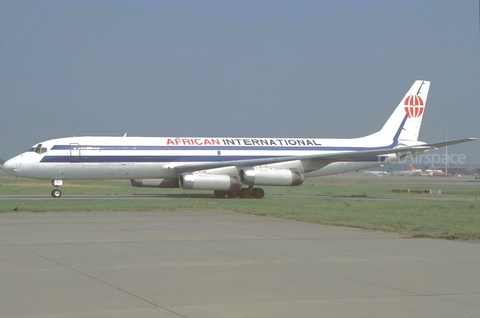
(74, 153)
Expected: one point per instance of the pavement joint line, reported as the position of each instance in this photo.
(408, 293)
(453, 301)
(292, 266)
(421, 255)
(355, 280)
(97, 279)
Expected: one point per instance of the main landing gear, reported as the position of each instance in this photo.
(245, 193)
(56, 193)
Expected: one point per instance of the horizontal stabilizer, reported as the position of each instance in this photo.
(448, 143)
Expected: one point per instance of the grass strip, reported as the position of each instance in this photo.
(436, 219)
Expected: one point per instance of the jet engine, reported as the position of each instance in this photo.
(273, 177)
(155, 183)
(206, 181)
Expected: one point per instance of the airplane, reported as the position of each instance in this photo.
(426, 172)
(231, 167)
(412, 171)
(374, 173)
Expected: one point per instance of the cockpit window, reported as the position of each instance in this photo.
(39, 149)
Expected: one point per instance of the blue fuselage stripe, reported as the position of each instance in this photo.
(165, 159)
(84, 148)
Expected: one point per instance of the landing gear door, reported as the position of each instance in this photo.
(74, 153)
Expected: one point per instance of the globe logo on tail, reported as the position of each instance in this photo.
(414, 106)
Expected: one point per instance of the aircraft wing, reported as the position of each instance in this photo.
(327, 158)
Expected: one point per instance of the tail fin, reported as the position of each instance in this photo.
(411, 167)
(404, 123)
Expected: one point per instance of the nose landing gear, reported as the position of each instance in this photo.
(56, 193)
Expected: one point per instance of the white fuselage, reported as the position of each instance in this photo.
(79, 158)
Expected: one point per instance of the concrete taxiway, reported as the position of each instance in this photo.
(222, 264)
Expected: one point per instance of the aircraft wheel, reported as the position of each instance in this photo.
(56, 193)
(258, 193)
(232, 194)
(244, 193)
(219, 194)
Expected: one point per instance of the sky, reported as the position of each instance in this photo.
(235, 69)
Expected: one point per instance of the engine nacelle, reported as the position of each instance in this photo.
(155, 183)
(273, 177)
(206, 181)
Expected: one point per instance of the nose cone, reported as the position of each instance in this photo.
(9, 166)
(15, 165)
